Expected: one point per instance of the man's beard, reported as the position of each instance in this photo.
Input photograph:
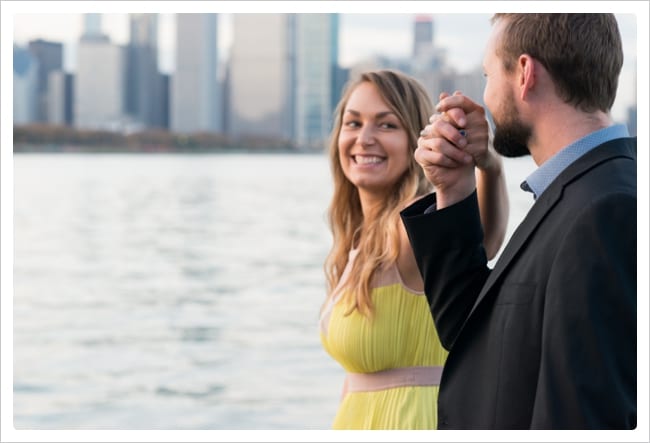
(512, 136)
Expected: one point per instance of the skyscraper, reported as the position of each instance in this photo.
(92, 26)
(422, 35)
(99, 85)
(316, 41)
(60, 98)
(284, 79)
(262, 76)
(50, 58)
(194, 97)
(25, 82)
(428, 63)
(144, 83)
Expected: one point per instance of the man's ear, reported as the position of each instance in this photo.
(526, 74)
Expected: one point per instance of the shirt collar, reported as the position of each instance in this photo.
(542, 177)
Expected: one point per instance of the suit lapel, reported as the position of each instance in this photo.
(550, 197)
(534, 217)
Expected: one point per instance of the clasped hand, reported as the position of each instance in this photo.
(452, 145)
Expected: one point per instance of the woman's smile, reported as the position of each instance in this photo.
(367, 160)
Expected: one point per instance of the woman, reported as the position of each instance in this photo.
(376, 320)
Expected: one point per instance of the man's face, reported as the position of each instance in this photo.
(511, 134)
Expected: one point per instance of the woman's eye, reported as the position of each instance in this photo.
(352, 124)
(388, 126)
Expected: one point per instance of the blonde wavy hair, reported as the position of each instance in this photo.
(377, 236)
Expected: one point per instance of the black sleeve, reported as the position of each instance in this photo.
(448, 248)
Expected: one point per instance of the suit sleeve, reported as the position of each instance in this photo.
(589, 334)
(448, 248)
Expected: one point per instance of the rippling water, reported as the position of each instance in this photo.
(174, 291)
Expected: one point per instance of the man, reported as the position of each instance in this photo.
(547, 339)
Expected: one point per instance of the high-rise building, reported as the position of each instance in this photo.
(25, 82)
(316, 58)
(99, 87)
(92, 26)
(283, 79)
(422, 35)
(144, 82)
(56, 98)
(194, 99)
(50, 58)
(427, 63)
(340, 75)
(164, 100)
(262, 76)
(60, 98)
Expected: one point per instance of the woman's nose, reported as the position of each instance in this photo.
(366, 136)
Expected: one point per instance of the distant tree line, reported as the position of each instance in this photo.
(54, 138)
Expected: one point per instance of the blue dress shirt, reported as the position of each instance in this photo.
(538, 181)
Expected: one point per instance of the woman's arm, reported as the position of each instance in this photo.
(461, 130)
(493, 202)
(406, 263)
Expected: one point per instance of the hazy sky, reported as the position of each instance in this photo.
(361, 34)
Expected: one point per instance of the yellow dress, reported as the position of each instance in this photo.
(401, 335)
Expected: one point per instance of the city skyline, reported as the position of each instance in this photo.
(282, 84)
(366, 34)
(460, 36)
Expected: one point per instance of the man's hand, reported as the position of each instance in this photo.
(451, 146)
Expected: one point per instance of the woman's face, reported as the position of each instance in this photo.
(373, 144)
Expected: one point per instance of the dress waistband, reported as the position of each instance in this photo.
(393, 378)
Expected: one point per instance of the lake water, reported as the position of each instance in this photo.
(180, 292)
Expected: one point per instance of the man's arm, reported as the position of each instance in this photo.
(445, 229)
(448, 247)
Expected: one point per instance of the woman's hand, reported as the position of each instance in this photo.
(456, 153)
(455, 141)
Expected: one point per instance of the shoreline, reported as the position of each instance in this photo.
(64, 139)
(75, 149)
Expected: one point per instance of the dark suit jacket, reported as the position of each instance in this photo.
(546, 340)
